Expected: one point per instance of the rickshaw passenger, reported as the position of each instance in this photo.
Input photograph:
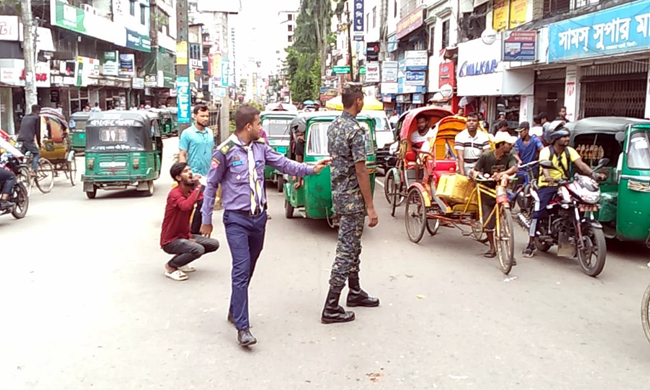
(470, 144)
(418, 138)
(498, 164)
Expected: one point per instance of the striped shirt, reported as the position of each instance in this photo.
(471, 147)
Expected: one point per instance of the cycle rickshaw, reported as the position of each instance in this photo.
(57, 148)
(442, 196)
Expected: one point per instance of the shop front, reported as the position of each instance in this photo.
(489, 86)
(605, 57)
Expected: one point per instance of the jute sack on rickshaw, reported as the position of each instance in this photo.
(455, 189)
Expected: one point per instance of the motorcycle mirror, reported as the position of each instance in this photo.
(546, 165)
(620, 136)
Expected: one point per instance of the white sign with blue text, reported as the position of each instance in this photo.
(617, 30)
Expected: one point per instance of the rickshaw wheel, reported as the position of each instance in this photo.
(415, 215)
(389, 181)
(288, 209)
(433, 224)
(72, 171)
(505, 241)
(645, 312)
(26, 178)
(91, 194)
(45, 176)
(477, 231)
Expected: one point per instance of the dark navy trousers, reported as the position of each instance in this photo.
(245, 235)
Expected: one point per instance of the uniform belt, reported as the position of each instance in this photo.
(248, 212)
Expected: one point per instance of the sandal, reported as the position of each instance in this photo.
(187, 268)
(177, 275)
(490, 254)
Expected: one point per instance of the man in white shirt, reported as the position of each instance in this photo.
(537, 130)
(470, 144)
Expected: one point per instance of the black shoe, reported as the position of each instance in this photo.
(332, 312)
(530, 251)
(245, 337)
(5, 204)
(358, 297)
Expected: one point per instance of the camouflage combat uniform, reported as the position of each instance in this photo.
(347, 146)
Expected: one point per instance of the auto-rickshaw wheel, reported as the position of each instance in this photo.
(645, 312)
(415, 215)
(288, 209)
(91, 194)
(150, 188)
(72, 171)
(280, 183)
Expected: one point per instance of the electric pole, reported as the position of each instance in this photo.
(347, 14)
(183, 65)
(29, 52)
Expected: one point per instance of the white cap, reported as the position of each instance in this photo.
(504, 136)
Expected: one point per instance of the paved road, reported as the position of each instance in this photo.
(86, 305)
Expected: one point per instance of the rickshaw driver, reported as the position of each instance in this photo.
(561, 155)
(497, 164)
(470, 144)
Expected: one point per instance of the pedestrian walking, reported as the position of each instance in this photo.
(238, 165)
(176, 238)
(196, 147)
(352, 199)
(30, 136)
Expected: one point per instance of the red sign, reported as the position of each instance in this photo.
(410, 23)
(447, 74)
(39, 76)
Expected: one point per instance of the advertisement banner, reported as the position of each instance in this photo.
(416, 59)
(181, 53)
(76, 19)
(137, 83)
(127, 65)
(616, 30)
(358, 24)
(389, 71)
(12, 72)
(415, 78)
(447, 74)
(110, 63)
(519, 45)
(137, 41)
(500, 15)
(518, 10)
(410, 23)
(225, 72)
(183, 99)
(373, 75)
(389, 88)
(9, 30)
(151, 81)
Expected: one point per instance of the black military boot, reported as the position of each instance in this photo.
(332, 312)
(358, 297)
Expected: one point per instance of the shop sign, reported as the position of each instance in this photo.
(617, 30)
(341, 69)
(151, 81)
(387, 97)
(181, 53)
(389, 71)
(416, 59)
(86, 68)
(137, 41)
(76, 19)
(225, 72)
(518, 10)
(410, 23)
(447, 74)
(400, 99)
(417, 98)
(478, 68)
(500, 15)
(389, 88)
(519, 45)
(219, 92)
(127, 65)
(12, 72)
(358, 24)
(137, 83)
(183, 99)
(392, 43)
(373, 75)
(110, 63)
(415, 78)
(9, 30)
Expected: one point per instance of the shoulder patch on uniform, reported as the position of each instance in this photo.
(226, 146)
(260, 141)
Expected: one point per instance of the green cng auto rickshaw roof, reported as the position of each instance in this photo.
(120, 131)
(602, 124)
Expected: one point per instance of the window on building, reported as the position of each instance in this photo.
(432, 34)
(445, 34)
(289, 39)
(290, 17)
(290, 28)
(556, 7)
(143, 14)
(367, 21)
(395, 9)
(132, 7)
(374, 17)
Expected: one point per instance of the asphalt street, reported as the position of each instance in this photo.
(86, 306)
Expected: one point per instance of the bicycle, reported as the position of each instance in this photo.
(43, 177)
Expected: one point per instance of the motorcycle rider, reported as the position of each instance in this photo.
(561, 155)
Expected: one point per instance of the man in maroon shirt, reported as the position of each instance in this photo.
(176, 238)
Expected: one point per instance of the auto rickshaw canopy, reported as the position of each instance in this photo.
(121, 131)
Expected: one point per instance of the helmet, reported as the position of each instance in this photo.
(554, 131)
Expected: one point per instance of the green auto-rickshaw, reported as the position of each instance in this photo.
(123, 149)
(78, 130)
(167, 122)
(313, 198)
(625, 194)
(276, 126)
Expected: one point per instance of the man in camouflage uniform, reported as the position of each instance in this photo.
(352, 199)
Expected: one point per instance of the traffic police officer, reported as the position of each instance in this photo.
(352, 199)
(238, 165)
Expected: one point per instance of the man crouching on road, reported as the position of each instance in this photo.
(176, 238)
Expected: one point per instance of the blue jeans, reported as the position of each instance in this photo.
(30, 146)
(245, 235)
(7, 181)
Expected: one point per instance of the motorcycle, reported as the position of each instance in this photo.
(569, 222)
(19, 194)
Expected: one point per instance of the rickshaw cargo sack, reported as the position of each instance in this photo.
(454, 189)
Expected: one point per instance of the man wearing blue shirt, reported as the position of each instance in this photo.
(527, 149)
(196, 146)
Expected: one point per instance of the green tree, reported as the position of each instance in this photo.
(313, 26)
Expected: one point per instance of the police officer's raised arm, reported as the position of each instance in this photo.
(290, 167)
(217, 170)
